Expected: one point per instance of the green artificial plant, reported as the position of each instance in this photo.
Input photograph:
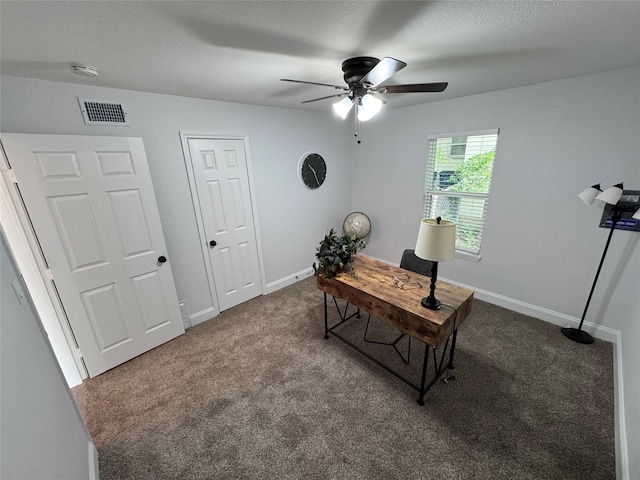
(334, 254)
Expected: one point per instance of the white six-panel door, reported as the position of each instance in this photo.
(222, 184)
(92, 206)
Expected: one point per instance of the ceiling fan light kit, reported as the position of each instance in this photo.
(364, 76)
(343, 107)
(368, 107)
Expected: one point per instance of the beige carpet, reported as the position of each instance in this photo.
(257, 393)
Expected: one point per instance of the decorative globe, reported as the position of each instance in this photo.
(358, 224)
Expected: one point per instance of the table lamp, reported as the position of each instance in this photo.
(436, 243)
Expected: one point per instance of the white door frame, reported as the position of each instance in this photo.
(23, 244)
(184, 138)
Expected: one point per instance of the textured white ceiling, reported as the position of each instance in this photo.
(238, 50)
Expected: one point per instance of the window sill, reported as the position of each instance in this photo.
(468, 256)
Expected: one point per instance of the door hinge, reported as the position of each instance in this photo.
(82, 366)
(77, 354)
(9, 176)
(47, 274)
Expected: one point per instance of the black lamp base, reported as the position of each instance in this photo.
(576, 335)
(431, 303)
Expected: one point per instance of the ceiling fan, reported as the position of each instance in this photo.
(364, 77)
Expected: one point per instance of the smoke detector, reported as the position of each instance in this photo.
(84, 70)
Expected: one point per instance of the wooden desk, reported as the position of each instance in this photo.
(372, 290)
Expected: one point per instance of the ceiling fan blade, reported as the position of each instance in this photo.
(338, 87)
(382, 71)
(328, 96)
(414, 87)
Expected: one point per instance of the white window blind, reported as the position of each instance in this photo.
(459, 170)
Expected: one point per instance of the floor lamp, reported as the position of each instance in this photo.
(611, 196)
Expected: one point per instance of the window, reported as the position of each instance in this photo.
(458, 146)
(459, 169)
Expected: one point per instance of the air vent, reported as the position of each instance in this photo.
(95, 112)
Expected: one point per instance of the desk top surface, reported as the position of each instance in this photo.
(372, 289)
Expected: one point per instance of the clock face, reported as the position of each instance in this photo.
(312, 170)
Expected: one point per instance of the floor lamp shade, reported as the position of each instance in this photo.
(611, 195)
(588, 195)
(436, 240)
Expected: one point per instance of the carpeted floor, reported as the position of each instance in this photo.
(257, 393)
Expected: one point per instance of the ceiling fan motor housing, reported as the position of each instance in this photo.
(356, 68)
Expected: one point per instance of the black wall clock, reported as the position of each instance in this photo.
(312, 170)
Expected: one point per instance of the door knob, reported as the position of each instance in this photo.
(212, 243)
(162, 259)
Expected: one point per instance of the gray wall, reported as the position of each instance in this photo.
(42, 435)
(542, 245)
(291, 217)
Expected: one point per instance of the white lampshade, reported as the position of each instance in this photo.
(636, 215)
(611, 195)
(370, 105)
(343, 107)
(588, 195)
(436, 241)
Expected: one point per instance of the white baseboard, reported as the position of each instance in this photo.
(622, 451)
(290, 280)
(202, 316)
(550, 316)
(209, 313)
(94, 469)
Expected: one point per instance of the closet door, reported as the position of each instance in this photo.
(222, 183)
(93, 210)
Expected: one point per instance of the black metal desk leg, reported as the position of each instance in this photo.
(424, 374)
(326, 321)
(453, 350)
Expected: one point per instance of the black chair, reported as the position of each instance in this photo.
(410, 261)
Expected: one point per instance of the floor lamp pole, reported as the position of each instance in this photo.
(577, 334)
